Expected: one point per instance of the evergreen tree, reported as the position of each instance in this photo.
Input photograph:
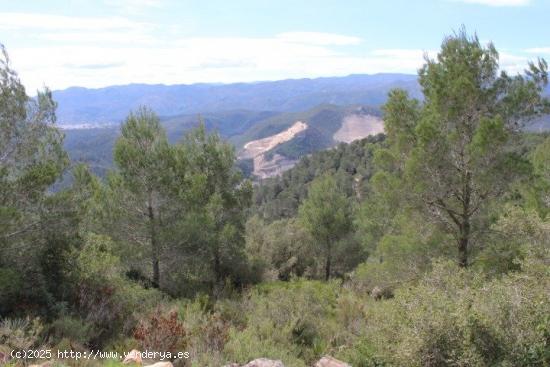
(218, 196)
(31, 160)
(540, 190)
(142, 157)
(454, 152)
(326, 214)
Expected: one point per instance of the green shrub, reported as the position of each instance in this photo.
(361, 354)
(516, 232)
(455, 317)
(21, 334)
(207, 330)
(72, 328)
(11, 284)
(107, 299)
(293, 321)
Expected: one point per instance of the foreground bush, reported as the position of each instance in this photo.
(456, 318)
(161, 331)
(107, 301)
(451, 317)
(290, 321)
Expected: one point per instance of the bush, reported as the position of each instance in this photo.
(293, 321)
(72, 328)
(402, 256)
(362, 354)
(108, 301)
(21, 334)
(11, 284)
(516, 232)
(455, 317)
(161, 331)
(279, 250)
(208, 328)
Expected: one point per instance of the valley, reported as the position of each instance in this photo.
(274, 142)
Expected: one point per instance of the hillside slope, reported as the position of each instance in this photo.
(279, 197)
(307, 132)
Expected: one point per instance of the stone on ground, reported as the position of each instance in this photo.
(328, 361)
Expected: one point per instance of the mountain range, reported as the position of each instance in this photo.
(77, 106)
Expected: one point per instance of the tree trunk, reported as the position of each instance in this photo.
(463, 250)
(464, 238)
(328, 261)
(154, 244)
(217, 266)
(217, 281)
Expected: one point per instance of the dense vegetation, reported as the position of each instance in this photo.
(351, 165)
(429, 246)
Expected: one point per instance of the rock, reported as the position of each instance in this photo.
(232, 365)
(328, 361)
(133, 357)
(381, 293)
(161, 364)
(264, 362)
(376, 293)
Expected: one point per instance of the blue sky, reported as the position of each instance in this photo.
(106, 42)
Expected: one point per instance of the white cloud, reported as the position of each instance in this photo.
(101, 37)
(198, 60)
(134, 6)
(195, 60)
(399, 53)
(497, 2)
(135, 3)
(208, 60)
(538, 50)
(121, 51)
(318, 38)
(96, 52)
(29, 21)
(513, 63)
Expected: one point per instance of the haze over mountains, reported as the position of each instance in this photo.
(111, 104)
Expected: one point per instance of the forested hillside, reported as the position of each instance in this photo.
(428, 245)
(351, 164)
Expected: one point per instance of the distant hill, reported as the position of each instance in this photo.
(229, 124)
(92, 146)
(327, 118)
(110, 105)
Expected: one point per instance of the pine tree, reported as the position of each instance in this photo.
(454, 151)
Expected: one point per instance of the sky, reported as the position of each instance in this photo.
(98, 43)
